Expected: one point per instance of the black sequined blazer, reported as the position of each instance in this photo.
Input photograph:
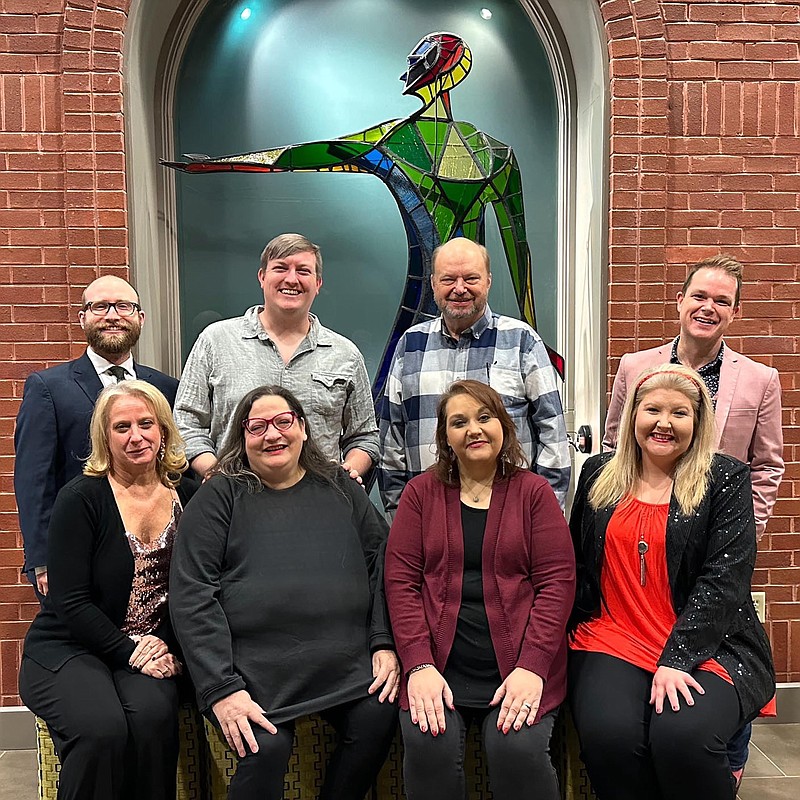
(710, 560)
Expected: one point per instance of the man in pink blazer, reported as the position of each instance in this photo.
(746, 394)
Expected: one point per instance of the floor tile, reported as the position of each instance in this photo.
(18, 779)
(759, 765)
(770, 789)
(781, 744)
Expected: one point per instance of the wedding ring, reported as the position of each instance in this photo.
(527, 705)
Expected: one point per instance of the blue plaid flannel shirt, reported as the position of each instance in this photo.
(501, 351)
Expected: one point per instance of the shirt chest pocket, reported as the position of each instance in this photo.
(328, 393)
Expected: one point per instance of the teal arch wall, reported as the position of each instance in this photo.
(303, 70)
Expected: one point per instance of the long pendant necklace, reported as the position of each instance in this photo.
(642, 547)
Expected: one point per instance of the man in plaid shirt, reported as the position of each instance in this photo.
(468, 341)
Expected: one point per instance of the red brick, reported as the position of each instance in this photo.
(771, 51)
(716, 51)
(771, 200)
(788, 33)
(786, 71)
(772, 13)
(784, 611)
(694, 32)
(747, 70)
(715, 12)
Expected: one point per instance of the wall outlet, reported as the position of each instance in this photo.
(760, 602)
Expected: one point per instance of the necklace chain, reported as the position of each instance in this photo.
(642, 546)
(470, 491)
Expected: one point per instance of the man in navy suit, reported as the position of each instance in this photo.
(52, 434)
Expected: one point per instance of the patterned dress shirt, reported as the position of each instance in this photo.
(708, 372)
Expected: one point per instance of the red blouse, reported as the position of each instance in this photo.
(635, 621)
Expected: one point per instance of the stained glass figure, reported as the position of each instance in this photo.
(442, 173)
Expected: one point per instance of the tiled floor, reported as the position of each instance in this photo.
(18, 775)
(773, 771)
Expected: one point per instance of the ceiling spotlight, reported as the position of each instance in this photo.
(245, 14)
(485, 13)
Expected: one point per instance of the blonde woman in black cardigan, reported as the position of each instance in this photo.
(668, 659)
(99, 661)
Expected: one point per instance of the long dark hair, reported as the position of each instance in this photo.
(509, 459)
(233, 460)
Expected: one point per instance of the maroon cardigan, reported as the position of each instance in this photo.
(528, 578)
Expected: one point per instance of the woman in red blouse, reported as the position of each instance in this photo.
(479, 578)
(668, 659)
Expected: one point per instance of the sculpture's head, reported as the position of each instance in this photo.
(438, 63)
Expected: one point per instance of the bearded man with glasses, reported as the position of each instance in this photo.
(51, 439)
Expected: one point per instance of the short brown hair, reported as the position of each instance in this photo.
(509, 459)
(722, 262)
(288, 244)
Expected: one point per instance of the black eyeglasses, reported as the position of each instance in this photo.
(123, 307)
(258, 426)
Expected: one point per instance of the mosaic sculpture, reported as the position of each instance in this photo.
(442, 173)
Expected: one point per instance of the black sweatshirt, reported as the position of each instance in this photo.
(280, 592)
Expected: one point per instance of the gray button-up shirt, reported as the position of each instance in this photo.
(327, 374)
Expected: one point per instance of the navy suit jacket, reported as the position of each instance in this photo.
(52, 438)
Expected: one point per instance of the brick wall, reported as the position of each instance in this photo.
(704, 151)
(704, 157)
(62, 222)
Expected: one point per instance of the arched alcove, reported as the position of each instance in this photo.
(573, 38)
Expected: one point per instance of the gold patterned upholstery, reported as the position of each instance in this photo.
(564, 746)
(47, 761)
(314, 743)
(191, 767)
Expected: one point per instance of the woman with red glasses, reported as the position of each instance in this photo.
(276, 598)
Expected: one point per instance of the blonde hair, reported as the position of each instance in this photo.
(169, 466)
(691, 474)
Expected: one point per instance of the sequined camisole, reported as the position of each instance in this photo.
(147, 606)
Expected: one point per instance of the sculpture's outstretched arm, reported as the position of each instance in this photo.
(334, 154)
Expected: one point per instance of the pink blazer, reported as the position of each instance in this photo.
(748, 415)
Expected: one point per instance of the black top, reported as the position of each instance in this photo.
(471, 670)
(273, 591)
(90, 571)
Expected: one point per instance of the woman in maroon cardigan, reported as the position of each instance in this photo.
(480, 577)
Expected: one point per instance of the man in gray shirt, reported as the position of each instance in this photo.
(279, 343)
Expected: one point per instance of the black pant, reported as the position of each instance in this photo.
(632, 753)
(115, 731)
(519, 762)
(365, 729)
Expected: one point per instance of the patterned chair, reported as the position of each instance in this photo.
(191, 758)
(565, 751)
(313, 745)
(207, 774)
